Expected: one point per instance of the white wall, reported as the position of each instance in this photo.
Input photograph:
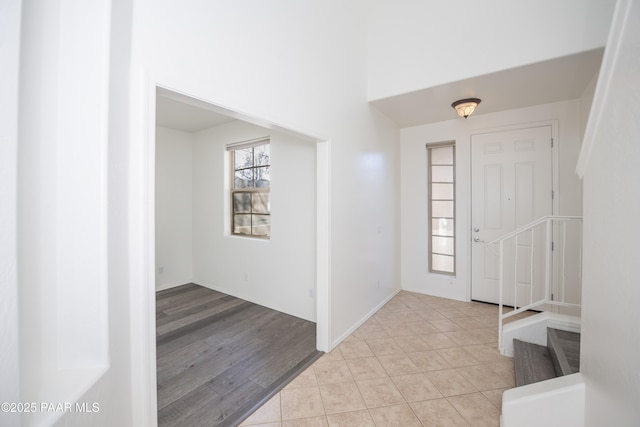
(610, 340)
(116, 390)
(72, 265)
(414, 261)
(193, 242)
(586, 99)
(282, 270)
(301, 65)
(10, 14)
(174, 207)
(419, 44)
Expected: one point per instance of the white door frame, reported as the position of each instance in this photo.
(142, 238)
(555, 203)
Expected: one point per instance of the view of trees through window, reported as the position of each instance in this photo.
(250, 198)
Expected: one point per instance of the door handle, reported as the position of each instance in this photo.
(477, 239)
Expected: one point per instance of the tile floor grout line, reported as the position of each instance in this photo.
(398, 312)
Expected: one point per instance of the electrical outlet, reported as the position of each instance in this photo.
(378, 284)
(246, 277)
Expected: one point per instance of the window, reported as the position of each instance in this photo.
(442, 208)
(250, 185)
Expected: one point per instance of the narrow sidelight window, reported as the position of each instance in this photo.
(250, 187)
(442, 207)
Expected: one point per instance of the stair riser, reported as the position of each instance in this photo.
(564, 349)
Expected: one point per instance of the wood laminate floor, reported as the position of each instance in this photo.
(219, 357)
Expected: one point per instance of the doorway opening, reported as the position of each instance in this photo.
(193, 108)
(216, 126)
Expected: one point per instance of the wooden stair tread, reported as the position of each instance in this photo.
(533, 363)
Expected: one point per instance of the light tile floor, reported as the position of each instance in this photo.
(419, 361)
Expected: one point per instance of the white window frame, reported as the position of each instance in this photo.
(232, 148)
(430, 200)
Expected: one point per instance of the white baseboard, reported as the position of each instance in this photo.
(165, 286)
(366, 317)
(334, 343)
(251, 298)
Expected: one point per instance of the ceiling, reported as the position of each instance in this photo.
(183, 112)
(540, 83)
(175, 114)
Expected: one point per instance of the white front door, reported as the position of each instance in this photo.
(511, 185)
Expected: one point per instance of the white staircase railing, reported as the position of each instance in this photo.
(540, 267)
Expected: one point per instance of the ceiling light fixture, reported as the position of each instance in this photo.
(465, 107)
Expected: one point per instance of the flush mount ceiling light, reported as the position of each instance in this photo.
(465, 107)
